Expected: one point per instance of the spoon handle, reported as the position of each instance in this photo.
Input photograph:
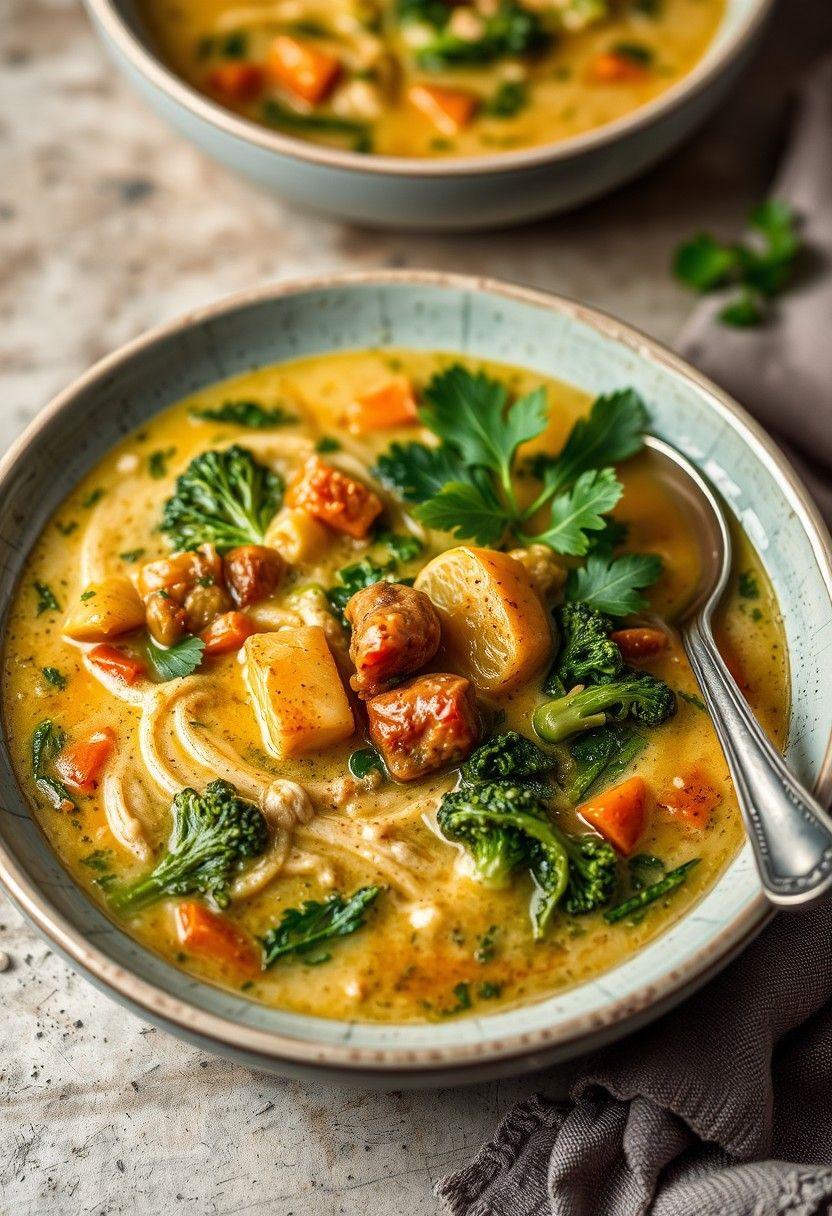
(790, 832)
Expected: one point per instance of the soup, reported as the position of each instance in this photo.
(430, 78)
(351, 684)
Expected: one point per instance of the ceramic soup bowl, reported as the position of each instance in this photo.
(449, 193)
(552, 336)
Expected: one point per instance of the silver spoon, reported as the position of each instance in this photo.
(790, 832)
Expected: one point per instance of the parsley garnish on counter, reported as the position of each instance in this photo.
(760, 267)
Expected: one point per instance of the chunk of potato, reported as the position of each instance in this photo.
(495, 630)
(296, 691)
(104, 610)
(298, 536)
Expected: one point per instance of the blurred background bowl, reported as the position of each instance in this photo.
(448, 193)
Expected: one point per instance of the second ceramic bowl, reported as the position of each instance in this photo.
(450, 194)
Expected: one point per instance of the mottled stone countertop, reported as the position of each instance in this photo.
(109, 223)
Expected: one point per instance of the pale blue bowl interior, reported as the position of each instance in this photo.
(451, 316)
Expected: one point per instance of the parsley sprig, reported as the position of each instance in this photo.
(760, 267)
(468, 484)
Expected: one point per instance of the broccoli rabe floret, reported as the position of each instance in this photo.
(593, 873)
(224, 498)
(505, 826)
(587, 656)
(506, 756)
(213, 834)
(636, 695)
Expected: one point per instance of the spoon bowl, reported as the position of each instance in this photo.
(790, 832)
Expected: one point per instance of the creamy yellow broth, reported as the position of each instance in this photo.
(590, 64)
(430, 929)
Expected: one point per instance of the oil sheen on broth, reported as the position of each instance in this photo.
(420, 78)
(436, 943)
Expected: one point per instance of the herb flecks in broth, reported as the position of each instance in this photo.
(412, 78)
(305, 727)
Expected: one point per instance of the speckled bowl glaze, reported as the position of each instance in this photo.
(450, 193)
(480, 318)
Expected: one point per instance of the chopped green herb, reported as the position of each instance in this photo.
(462, 992)
(47, 741)
(327, 443)
(748, 586)
(402, 548)
(363, 761)
(47, 600)
(234, 45)
(692, 699)
(68, 528)
(648, 895)
(93, 497)
(89, 594)
(157, 462)
(636, 52)
(132, 555)
(489, 990)
(354, 578)
(55, 677)
(99, 860)
(175, 661)
(486, 947)
(301, 929)
(509, 99)
(250, 414)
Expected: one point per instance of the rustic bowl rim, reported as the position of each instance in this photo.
(107, 14)
(568, 1037)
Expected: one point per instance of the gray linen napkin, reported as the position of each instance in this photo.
(723, 1107)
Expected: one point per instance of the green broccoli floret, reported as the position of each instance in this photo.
(504, 826)
(213, 834)
(507, 756)
(587, 656)
(635, 695)
(593, 873)
(481, 819)
(225, 498)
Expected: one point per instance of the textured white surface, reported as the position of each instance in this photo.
(110, 224)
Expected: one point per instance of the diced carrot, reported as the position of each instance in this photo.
(213, 936)
(117, 663)
(392, 404)
(448, 109)
(79, 764)
(334, 498)
(639, 643)
(618, 814)
(691, 798)
(614, 68)
(305, 70)
(236, 81)
(227, 632)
